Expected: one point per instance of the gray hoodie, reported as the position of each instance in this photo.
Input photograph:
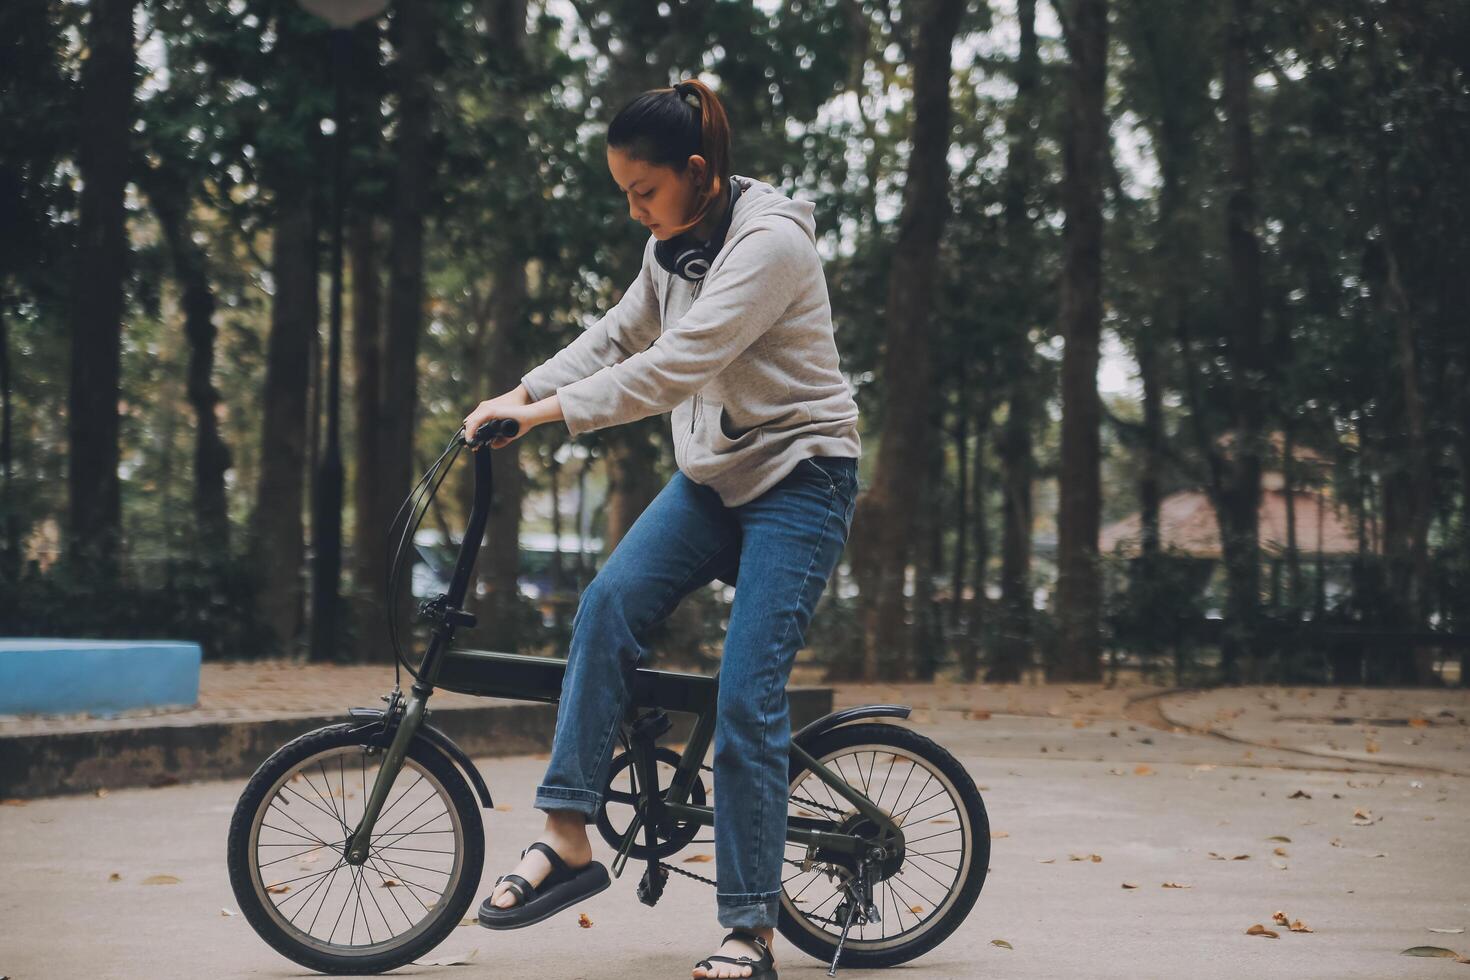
(745, 360)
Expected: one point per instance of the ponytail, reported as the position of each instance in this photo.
(666, 126)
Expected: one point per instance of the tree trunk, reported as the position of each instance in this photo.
(277, 542)
(371, 511)
(925, 638)
(11, 561)
(171, 196)
(412, 173)
(957, 576)
(1078, 597)
(1013, 443)
(883, 530)
(1239, 506)
(105, 126)
(979, 605)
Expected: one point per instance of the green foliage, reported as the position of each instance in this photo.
(207, 601)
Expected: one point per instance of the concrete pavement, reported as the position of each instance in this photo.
(1377, 855)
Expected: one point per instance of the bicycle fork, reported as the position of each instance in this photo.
(401, 724)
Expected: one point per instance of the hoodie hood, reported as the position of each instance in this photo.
(761, 201)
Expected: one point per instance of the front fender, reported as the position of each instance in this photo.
(373, 718)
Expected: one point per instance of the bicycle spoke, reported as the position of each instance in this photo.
(282, 830)
(896, 898)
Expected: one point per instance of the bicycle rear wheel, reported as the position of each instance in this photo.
(921, 898)
(287, 846)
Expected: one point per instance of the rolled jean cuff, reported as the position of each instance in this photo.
(750, 911)
(562, 798)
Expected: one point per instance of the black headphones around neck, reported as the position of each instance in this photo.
(687, 257)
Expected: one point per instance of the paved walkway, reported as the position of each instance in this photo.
(1128, 840)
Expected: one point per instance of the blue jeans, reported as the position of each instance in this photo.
(782, 546)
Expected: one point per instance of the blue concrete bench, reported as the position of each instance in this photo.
(103, 677)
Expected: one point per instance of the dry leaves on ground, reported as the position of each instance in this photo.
(1281, 918)
(1440, 951)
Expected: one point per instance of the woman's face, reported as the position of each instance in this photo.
(659, 197)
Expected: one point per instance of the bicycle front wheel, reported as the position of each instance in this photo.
(287, 853)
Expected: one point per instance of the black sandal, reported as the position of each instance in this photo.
(563, 887)
(761, 969)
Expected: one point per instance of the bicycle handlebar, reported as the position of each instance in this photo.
(488, 431)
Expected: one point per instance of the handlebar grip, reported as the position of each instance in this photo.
(487, 432)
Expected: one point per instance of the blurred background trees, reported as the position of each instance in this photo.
(1155, 313)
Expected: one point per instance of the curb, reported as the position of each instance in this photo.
(1314, 753)
(66, 763)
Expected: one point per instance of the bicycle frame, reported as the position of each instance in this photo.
(527, 678)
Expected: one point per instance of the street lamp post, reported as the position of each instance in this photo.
(327, 507)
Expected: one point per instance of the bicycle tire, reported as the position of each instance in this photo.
(439, 920)
(858, 952)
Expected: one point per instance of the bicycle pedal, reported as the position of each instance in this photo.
(651, 886)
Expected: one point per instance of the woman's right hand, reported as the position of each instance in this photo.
(490, 408)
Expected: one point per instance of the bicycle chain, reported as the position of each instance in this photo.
(709, 881)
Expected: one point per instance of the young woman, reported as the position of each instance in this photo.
(728, 328)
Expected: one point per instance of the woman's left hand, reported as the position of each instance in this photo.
(527, 418)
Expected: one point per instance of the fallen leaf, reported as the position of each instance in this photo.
(583, 921)
(1260, 930)
(12, 801)
(1046, 860)
(1300, 795)
(160, 880)
(1087, 857)
(1280, 852)
(274, 889)
(389, 883)
(1129, 885)
(114, 877)
(1001, 942)
(1430, 951)
(996, 834)
(1174, 884)
(101, 791)
(698, 858)
(469, 920)
(916, 909)
(1282, 839)
(1372, 746)
(1142, 770)
(1362, 818)
(1283, 919)
(224, 911)
(1453, 932)
(504, 807)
